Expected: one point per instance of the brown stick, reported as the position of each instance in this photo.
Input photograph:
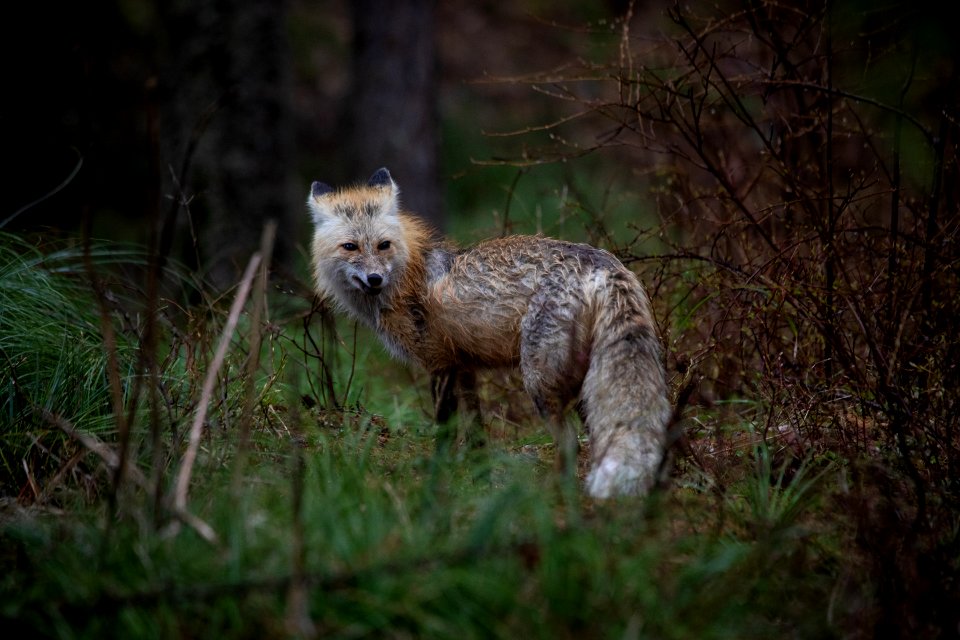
(253, 359)
(92, 444)
(186, 466)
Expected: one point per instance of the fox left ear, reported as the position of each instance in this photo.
(380, 178)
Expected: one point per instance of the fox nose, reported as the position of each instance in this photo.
(374, 280)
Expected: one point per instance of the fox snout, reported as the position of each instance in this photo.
(371, 283)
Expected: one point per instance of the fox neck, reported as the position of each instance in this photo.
(362, 306)
(394, 314)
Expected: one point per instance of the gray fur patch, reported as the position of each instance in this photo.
(590, 256)
(439, 262)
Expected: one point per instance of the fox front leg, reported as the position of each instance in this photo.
(455, 391)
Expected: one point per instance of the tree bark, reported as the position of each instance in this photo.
(391, 115)
(227, 128)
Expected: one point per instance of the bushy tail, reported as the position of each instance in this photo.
(624, 393)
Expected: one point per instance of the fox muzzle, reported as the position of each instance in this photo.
(371, 285)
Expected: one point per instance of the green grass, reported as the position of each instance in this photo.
(399, 543)
(51, 354)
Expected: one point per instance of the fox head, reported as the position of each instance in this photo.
(359, 247)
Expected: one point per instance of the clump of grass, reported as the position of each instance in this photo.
(53, 361)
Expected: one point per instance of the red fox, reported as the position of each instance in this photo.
(572, 317)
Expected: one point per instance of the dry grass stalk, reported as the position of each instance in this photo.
(190, 456)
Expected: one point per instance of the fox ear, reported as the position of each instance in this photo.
(318, 189)
(318, 209)
(380, 178)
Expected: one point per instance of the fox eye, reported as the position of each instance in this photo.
(383, 246)
(349, 246)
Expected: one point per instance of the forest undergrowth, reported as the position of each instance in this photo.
(306, 514)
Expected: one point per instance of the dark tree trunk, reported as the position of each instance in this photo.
(227, 127)
(391, 116)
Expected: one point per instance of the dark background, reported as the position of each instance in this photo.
(232, 107)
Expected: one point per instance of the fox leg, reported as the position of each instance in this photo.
(442, 389)
(563, 432)
(454, 389)
(471, 419)
(553, 361)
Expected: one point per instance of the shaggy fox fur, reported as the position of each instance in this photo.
(572, 317)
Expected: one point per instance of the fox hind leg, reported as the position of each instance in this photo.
(553, 361)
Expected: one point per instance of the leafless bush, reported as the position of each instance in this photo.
(801, 161)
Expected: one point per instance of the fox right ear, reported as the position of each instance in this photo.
(318, 189)
(315, 203)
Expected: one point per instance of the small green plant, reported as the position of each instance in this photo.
(777, 495)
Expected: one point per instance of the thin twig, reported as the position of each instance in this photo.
(253, 359)
(186, 466)
(91, 443)
(54, 191)
(109, 337)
